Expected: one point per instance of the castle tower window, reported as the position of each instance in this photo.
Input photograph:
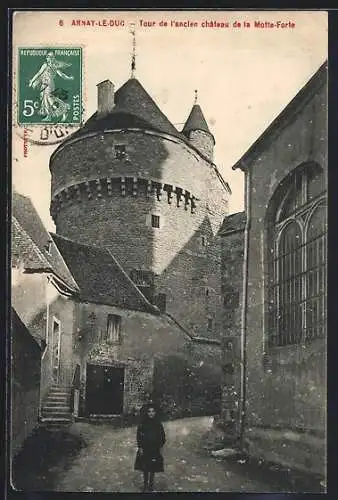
(155, 221)
(114, 329)
(210, 324)
(120, 151)
(297, 259)
(144, 280)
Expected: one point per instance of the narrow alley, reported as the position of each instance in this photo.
(98, 457)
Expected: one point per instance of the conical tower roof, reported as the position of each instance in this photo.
(134, 108)
(196, 121)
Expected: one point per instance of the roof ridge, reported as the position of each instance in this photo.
(96, 247)
(126, 275)
(77, 288)
(193, 338)
(102, 254)
(235, 213)
(16, 193)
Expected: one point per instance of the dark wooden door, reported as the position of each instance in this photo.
(104, 390)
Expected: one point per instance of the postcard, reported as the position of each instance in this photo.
(168, 251)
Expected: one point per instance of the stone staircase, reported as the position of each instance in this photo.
(56, 409)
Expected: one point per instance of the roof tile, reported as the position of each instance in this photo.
(133, 108)
(196, 121)
(25, 251)
(26, 215)
(100, 277)
(233, 222)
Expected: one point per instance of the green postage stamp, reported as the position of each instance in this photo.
(50, 85)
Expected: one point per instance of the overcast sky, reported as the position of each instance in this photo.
(244, 76)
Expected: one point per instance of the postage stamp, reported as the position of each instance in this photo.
(49, 85)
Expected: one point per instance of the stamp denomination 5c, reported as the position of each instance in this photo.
(50, 85)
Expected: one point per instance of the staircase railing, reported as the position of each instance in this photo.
(75, 391)
(65, 374)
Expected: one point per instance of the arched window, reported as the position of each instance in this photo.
(297, 258)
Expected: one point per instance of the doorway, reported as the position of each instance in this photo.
(104, 390)
(56, 348)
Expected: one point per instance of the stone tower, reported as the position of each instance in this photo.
(128, 180)
(197, 131)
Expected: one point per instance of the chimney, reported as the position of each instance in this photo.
(105, 98)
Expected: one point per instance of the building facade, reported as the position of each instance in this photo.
(129, 181)
(232, 244)
(284, 284)
(25, 390)
(42, 318)
(128, 302)
(123, 345)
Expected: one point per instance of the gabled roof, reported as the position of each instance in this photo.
(100, 277)
(29, 221)
(25, 251)
(195, 121)
(287, 114)
(133, 108)
(233, 223)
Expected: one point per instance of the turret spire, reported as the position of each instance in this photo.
(133, 55)
(197, 131)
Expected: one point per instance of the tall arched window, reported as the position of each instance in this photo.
(297, 258)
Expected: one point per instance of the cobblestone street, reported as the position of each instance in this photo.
(101, 458)
(107, 463)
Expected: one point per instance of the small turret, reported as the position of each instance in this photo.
(197, 131)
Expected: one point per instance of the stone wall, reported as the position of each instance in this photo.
(63, 310)
(101, 213)
(203, 142)
(286, 386)
(232, 294)
(151, 349)
(25, 384)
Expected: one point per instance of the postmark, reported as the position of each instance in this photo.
(45, 134)
(49, 83)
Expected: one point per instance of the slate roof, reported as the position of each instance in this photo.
(196, 121)
(232, 223)
(100, 277)
(134, 108)
(29, 221)
(25, 251)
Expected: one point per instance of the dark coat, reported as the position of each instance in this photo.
(150, 438)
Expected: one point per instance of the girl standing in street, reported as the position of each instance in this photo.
(150, 440)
